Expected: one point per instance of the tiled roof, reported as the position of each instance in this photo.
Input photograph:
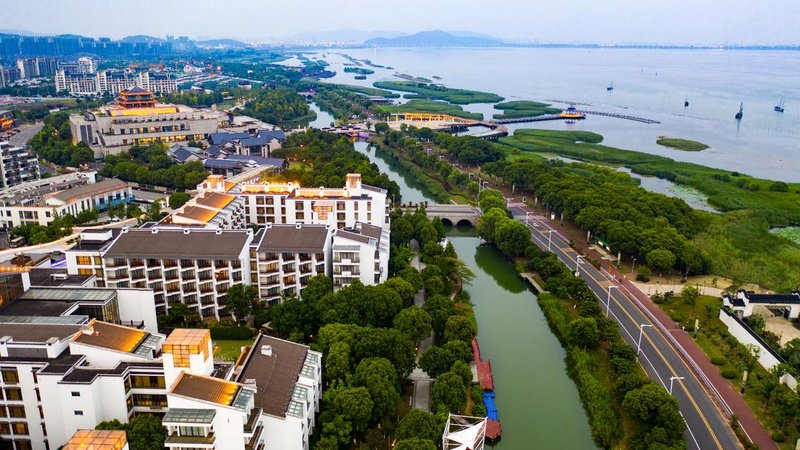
(38, 333)
(294, 238)
(175, 244)
(86, 190)
(208, 389)
(97, 440)
(111, 337)
(275, 375)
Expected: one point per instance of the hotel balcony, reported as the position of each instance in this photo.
(176, 440)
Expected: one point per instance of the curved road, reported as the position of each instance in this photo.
(706, 426)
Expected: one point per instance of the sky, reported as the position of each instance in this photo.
(711, 22)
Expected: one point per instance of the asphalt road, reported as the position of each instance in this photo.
(25, 134)
(707, 427)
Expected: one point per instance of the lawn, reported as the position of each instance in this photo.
(681, 144)
(738, 242)
(430, 106)
(438, 92)
(230, 350)
(523, 108)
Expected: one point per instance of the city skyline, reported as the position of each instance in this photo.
(714, 22)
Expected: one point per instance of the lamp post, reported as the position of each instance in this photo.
(549, 238)
(671, 379)
(578, 263)
(608, 300)
(641, 332)
(633, 269)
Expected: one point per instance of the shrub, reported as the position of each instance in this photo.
(718, 360)
(777, 436)
(643, 274)
(231, 333)
(729, 373)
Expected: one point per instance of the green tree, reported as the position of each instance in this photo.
(179, 316)
(337, 361)
(460, 350)
(381, 127)
(490, 198)
(511, 237)
(379, 377)
(355, 405)
(419, 424)
(177, 199)
(145, 432)
(661, 259)
(338, 429)
(584, 332)
(414, 322)
(240, 300)
(690, 294)
(436, 361)
(318, 286)
(488, 223)
(415, 444)
(460, 328)
(462, 369)
(449, 391)
(402, 287)
(402, 231)
(154, 211)
(657, 413)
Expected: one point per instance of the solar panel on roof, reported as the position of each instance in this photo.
(242, 400)
(295, 409)
(189, 415)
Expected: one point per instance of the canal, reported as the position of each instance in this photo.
(537, 402)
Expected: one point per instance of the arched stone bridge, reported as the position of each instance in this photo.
(452, 214)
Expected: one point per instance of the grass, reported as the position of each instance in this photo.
(523, 108)
(230, 350)
(721, 348)
(738, 242)
(438, 92)
(430, 106)
(790, 233)
(681, 144)
(363, 90)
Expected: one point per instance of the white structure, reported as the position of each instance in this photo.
(360, 253)
(98, 440)
(81, 79)
(17, 165)
(743, 303)
(34, 202)
(210, 210)
(138, 119)
(287, 257)
(464, 433)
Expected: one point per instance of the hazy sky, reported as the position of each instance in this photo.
(622, 21)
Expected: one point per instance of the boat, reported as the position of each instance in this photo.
(361, 77)
(571, 113)
(741, 111)
(610, 86)
(685, 102)
(779, 106)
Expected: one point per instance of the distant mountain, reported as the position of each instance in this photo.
(142, 38)
(221, 43)
(19, 32)
(342, 35)
(436, 38)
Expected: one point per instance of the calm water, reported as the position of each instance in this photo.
(648, 83)
(538, 403)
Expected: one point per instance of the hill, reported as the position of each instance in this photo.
(221, 43)
(436, 38)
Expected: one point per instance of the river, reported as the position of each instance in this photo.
(648, 83)
(538, 403)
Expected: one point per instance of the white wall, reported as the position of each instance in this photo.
(138, 305)
(283, 433)
(766, 359)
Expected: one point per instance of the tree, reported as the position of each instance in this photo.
(488, 223)
(436, 361)
(179, 315)
(584, 332)
(419, 424)
(133, 211)
(177, 199)
(462, 369)
(145, 432)
(459, 328)
(318, 286)
(653, 407)
(154, 211)
(490, 198)
(415, 444)
(355, 405)
(338, 429)
(240, 301)
(337, 361)
(381, 127)
(690, 294)
(460, 350)
(402, 231)
(379, 377)
(330, 442)
(414, 322)
(440, 309)
(449, 391)
(402, 287)
(661, 259)
(511, 237)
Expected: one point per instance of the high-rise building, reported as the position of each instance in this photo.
(17, 165)
(37, 67)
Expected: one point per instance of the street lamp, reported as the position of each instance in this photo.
(578, 263)
(608, 301)
(641, 332)
(671, 379)
(633, 269)
(549, 239)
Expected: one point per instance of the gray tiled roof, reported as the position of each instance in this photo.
(294, 238)
(175, 244)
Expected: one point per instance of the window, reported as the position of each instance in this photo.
(75, 394)
(78, 412)
(9, 375)
(16, 411)
(84, 260)
(149, 400)
(147, 382)
(85, 272)
(20, 428)
(13, 394)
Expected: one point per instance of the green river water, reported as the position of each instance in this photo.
(538, 404)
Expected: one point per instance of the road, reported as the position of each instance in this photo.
(707, 427)
(25, 134)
